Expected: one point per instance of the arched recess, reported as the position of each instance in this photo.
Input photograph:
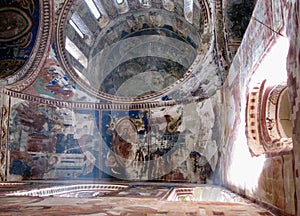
(268, 125)
(276, 119)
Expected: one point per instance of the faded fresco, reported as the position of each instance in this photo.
(159, 140)
(18, 29)
(125, 144)
(142, 75)
(50, 143)
(151, 145)
(270, 176)
(54, 83)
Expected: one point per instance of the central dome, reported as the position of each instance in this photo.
(120, 52)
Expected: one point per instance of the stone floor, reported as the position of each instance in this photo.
(121, 206)
(134, 201)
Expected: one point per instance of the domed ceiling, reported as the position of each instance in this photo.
(133, 50)
(23, 38)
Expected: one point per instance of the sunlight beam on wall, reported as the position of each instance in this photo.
(244, 171)
(273, 66)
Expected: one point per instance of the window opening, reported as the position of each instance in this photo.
(145, 3)
(284, 114)
(188, 10)
(76, 52)
(122, 6)
(81, 75)
(78, 23)
(120, 1)
(76, 28)
(93, 8)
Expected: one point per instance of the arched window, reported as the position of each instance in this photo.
(276, 119)
(120, 1)
(269, 126)
(93, 8)
(145, 3)
(76, 53)
(98, 11)
(188, 10)
(122, 6)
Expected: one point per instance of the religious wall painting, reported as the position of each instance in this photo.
(238, 14)
(192, 153)
(54, 83)
(167, 144)
(142, 76)
(157, 23)
(48, 142)
(148, 145)
(201, 168)
(19, 21)
(125, 144)
(15, 23)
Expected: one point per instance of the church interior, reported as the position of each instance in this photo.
(150, 107)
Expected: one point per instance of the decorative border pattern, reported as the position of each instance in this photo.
(195, 193)
(175, 192)
(253, 119)
(91, 105)
(224, 57)
(205, 12)
(3, 141)
(44, 192)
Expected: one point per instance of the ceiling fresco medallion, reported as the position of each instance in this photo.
(14, 24)
(25, 37)
(18, 32)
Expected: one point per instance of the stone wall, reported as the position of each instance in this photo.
(293, 65)
(268, 179)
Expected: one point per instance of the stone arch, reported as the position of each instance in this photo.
(268, 125)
